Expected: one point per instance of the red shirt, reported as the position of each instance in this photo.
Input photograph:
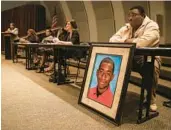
(105, 98)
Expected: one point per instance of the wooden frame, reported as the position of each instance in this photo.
(108, 101)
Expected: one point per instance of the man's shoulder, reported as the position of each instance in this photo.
(151, 23)
(92, 88)
(15, 28)
(92, 91)
(154, 24)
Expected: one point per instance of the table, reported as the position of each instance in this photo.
(149, 54)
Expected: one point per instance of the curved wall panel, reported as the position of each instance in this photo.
(104, 19)
(91, 20)
(99, 20)
(119, 15)
(78, 13)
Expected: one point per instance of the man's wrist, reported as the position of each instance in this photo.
(129, 40)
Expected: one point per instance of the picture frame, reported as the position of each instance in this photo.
(106, 79)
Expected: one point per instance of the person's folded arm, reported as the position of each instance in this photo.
(149, 38)
(118, 37)
(22, 40)
(15, 31)
(65, 42)
(57, 41)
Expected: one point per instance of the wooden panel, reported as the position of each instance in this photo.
(159, 20)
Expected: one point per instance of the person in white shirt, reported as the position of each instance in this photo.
(145, 33)
(14, 31)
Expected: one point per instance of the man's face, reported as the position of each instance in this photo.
(48, 33)
(11, 26)
(68, 26)
(135, 18)
(104, 75)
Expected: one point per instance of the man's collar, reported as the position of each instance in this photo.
(98, 94)
(146, 20)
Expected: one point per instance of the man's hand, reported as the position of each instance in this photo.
(129, 40)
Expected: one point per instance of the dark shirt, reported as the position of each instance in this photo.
(32, 39)
(65, 36)
(75, 39)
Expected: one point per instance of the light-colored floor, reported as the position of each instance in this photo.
(30, 102)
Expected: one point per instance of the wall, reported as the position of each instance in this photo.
(78, 13)
(91, 21)
(99, 20)
(5, 5)
(157, 8)
(104, 19)
(167, 23)
(118, 15)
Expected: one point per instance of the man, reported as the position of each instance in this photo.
(12, 29)
(102, 93)
(145, 33)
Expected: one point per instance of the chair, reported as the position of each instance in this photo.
(82, 57)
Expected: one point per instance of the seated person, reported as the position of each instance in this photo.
(145, 33)
(49, 36)
(31, 38)
(68, 36)
(45, 51)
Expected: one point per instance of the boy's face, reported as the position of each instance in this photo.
(104, 75)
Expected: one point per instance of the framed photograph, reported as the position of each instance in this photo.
(106, 79)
